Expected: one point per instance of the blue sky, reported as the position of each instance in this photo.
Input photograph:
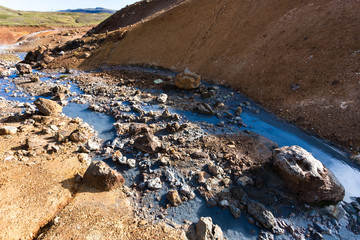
(51, 5)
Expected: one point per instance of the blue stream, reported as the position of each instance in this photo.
(262, 123)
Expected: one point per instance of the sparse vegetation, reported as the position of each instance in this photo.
(9, 17)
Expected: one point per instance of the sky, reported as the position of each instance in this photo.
(51, 5)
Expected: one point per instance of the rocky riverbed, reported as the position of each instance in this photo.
(184, 151)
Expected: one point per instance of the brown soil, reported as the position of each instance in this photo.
(10, 35)
(299, 58)
(51, 38)
(34, 185)
(104, 215)
(134, 13)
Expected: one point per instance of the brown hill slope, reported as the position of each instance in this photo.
(10, 35)
(134, 13)
(298, 58)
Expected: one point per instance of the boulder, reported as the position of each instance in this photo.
(206, 230)
(148, 143)
(174, 198)
(306, 176)
(187, 80)
(79, 136)
(48, 107)
(8, 130)
(24, 68)
(102, 177)
(262, 215)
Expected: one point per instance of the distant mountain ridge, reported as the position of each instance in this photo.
(89, 10)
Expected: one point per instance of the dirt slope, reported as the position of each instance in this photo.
(134, 13)
(10, 35)
(297, 58)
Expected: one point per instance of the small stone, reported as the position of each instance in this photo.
(238, 111)
(162, 98)
(173, 127)
(166, 114)
(53, 148)
(23, 68)
(8, 130)
(34, 79)
(83, 149)
(158, 81)
(30, 144)
(154, 183)
(174, 198)
(321, 228)
(244, 181)
(236, 212)
(317, 236)
(215, 170)
(204, 108)
(261, 214)
(117, 155)
(265, 236)
(187, 80)
(48, 107)
(224, 203)
(60, 89)
(92, 145)
(148, 143)
(185, 190)
(199, 155)
(169, 176)
(131, 162)
(86, 55)
(84, 158)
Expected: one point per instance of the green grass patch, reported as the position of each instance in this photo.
(9, 17)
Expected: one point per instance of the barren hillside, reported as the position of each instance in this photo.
(134, 13)
(298, 58)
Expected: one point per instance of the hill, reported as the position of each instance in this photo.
(11, 17)
(297, 58)
(89, 10)
(134, 13)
